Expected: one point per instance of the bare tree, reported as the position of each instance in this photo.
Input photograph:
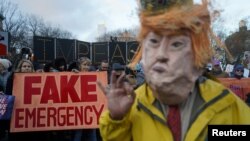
(47, 30)
(34, 23)
(119, 35)
(14, 23)
(22, 28)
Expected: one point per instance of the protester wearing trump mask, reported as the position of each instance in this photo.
(175, 48)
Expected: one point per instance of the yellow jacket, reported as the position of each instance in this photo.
(145, 122)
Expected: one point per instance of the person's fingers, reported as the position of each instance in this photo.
(102, 87)
(132, 92)
(113, 79)
(129, 90)
(120, 80)
(108, 88)
(118, 91)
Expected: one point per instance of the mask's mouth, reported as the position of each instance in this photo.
(159, 69)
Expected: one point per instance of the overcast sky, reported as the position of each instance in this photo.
(82, 17)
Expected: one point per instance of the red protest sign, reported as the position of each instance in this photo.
(57, 101)
(241, 87)
(4, 43)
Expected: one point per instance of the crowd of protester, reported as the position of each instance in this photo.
(215, 69)
(83, 64)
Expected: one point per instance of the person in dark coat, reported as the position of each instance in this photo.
(60, 64)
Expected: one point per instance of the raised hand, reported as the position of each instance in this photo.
(120, 96)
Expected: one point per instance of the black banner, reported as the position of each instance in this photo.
(47, 49)
(131, 49)
(65, 48)
(99, 52)
(117, 52)
(82, 49)
(44, 49)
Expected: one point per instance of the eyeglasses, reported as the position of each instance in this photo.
(137, 71)
(240, 70)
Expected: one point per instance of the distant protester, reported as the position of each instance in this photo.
(217, 70)
(238, 71)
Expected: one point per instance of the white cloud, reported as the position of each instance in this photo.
(81, 17)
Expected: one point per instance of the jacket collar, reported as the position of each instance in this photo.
(145, 100)
(216, 99)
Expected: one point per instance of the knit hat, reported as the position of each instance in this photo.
(238, 67)
(216, 62)
(60, 61)
(6, 63)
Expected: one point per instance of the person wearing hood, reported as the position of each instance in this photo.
(238, 71)
(4, 73)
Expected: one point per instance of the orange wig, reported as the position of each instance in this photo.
(192, 18)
